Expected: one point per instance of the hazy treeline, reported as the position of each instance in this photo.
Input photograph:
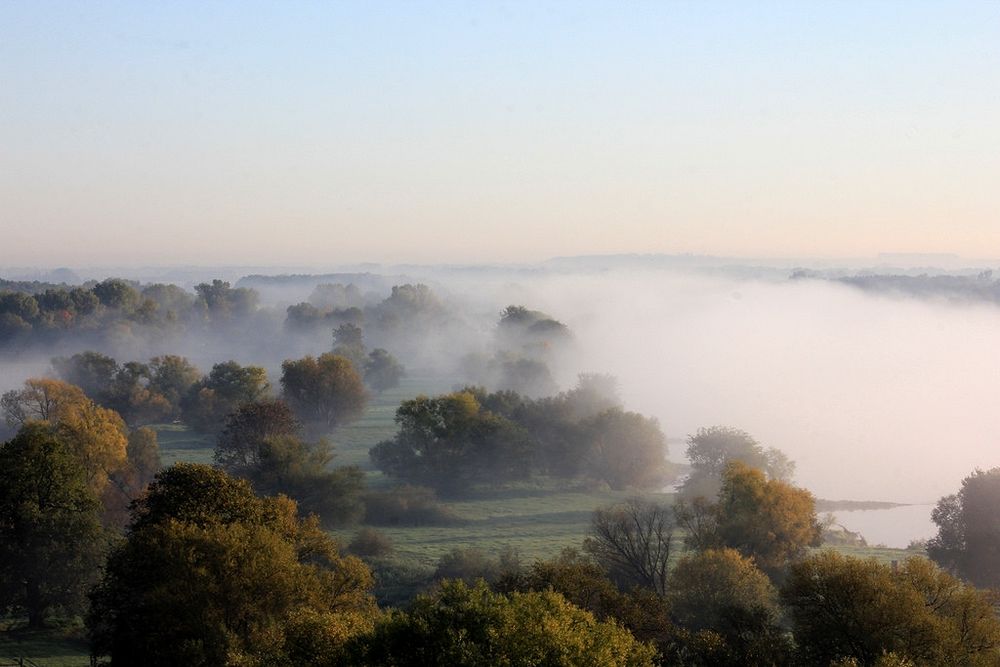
(979, 287)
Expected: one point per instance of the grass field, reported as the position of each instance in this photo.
(62, 647)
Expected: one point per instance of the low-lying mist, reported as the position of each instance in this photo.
(873, 397)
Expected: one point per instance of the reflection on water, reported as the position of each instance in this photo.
(894, 527)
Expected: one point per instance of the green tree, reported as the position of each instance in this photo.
(172, 377)
(117, 293)
(211, 574)
(584, 583)
(92, 372)
(451, 441)
(227, 386)
(325, 391)
(472, 627)
(382, 370)
(50, 534)
(968, 539)
(625, 449)
(238, 445)
(348, 342)
(722, 592)
(711, 449)
(843, 607)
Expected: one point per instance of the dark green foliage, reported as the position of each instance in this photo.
(450, 441)
(261, 443)
(407, 505)
(968, 539)
(238, 446)
(210, 400)
(117, 293)
(172, 377)
(50, 534)
(218, 302)
(210, 574)
(471, 436)
(382, 370)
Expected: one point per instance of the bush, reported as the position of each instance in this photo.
(370, 543)
(407, 505)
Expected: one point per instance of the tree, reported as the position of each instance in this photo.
(96, 436)
(632, 542)
(583, 583)
(92, 372)
(450, 442)
(227, 386)
(348, 342)
(711, 449)
(473, 627)
(723, 592)
(41, 399)
(117, 293)
(625, 449)
(325, 391)
(210, 574)
(382, 370)
(172, 377)
(238, 446)
(968, 539)
(221, 304)
(843, 607)
(50, 534)
(771, 521)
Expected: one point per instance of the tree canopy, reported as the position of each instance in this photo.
(968, 539)
(50, 534)
(473, 627)
(211, 574)
(324, 391)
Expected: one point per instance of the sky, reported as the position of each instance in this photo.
(294, 132)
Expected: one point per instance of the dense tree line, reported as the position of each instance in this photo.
(214, 569)
(108, 310)
(453, 441)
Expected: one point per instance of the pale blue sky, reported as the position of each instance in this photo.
(157, 133)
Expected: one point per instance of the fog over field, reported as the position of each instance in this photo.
(873, 397)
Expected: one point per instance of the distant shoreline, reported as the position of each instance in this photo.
(823, 505)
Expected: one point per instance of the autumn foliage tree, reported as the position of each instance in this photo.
(843, 607)
(475, 627)
(768, 520)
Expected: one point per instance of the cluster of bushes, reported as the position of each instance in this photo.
(452, 441)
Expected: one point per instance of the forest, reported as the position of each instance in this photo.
(403, 475)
